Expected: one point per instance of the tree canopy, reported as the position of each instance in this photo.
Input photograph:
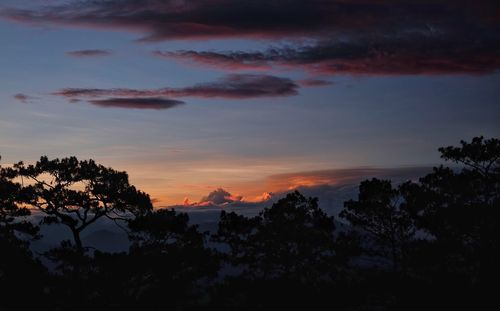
(78, 193)
(293, 239)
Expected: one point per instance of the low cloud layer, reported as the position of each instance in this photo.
(340, 177)
(89, 53)
(332, 187)
(137, 103)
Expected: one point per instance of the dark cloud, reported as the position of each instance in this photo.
(92, 93)
(89, 53)
(224, 60)
(366, 37)
(181, 19)
(241, 86)
(23, 98)
(137, 103)
(427, 52)
(231, 86)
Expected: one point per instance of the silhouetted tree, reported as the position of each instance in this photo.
(460, 209)
(78, 193)
(168, 260)
(18, 268)
(294, 239)
(12, 215)
(380, 211)
(286, 257)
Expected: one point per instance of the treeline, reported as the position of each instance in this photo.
(427, 244)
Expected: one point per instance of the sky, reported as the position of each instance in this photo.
(255, 97)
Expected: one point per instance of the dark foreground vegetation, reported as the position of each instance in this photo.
(421, 245)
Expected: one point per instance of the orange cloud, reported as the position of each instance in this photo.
(260, 192)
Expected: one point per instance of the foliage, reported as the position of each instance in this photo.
(380, 212)
(294, 239)
(17, 265)
(78, 193)
(459, 208)
(168, 259)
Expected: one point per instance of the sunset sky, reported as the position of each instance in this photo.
(252, 96)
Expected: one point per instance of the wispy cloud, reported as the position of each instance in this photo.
(89, 53)
(24, 98)
(220, 60)
(231, 86)
(411, 53)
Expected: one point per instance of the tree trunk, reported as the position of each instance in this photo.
(78, 241)
(77, 268)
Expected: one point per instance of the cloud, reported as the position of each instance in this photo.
(23, 98)
(240, 86)
(408, 53)
(88, 53)
(222, 60)
(359, 37)
(220, 198)
(194, 19)
(137, 103)
(333, 187)
(231, 86)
